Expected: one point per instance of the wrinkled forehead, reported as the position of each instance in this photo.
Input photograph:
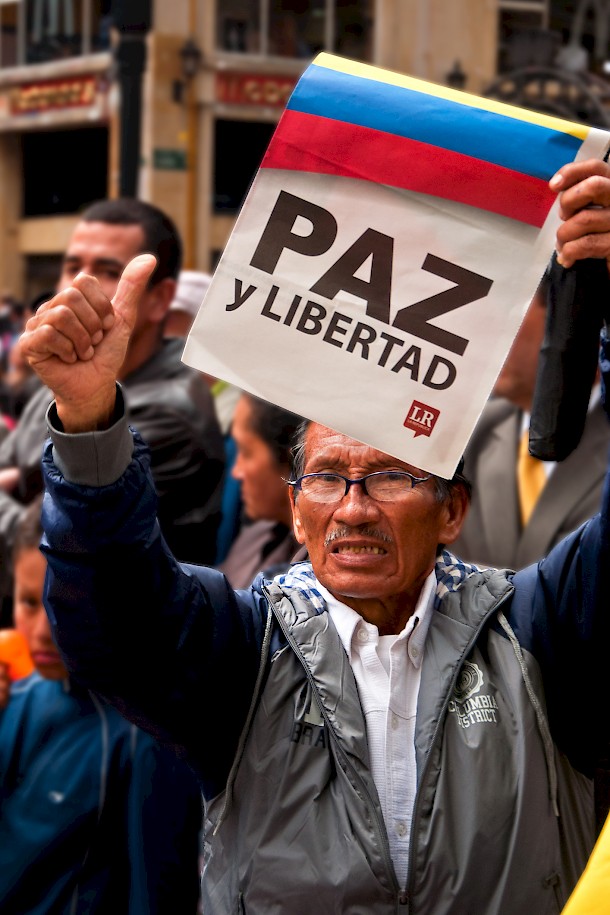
(327, 449)
(322, 439)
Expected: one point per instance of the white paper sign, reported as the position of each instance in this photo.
(381, 311)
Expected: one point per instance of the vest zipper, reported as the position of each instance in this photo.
(416, 805)
(380, 828)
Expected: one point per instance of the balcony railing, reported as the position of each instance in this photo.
(41, 31)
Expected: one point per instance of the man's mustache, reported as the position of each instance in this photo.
(343, 533)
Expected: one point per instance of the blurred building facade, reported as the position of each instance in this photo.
(176, 100)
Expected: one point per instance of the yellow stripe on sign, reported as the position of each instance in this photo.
(381, 75)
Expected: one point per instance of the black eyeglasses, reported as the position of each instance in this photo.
(383, 485)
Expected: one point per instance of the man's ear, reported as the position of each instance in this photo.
(297, 525)
(160, 298)
(457, 508)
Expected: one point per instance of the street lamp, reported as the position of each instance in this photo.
(190, 64)
(190, 55)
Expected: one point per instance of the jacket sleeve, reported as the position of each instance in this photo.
(172, 647)
(164, 821)
(561, 614)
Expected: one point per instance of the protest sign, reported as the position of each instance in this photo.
(385, 255)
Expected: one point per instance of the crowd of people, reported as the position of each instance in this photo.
(115, 822)
(274, 664)
(169, 402)
(96, 815)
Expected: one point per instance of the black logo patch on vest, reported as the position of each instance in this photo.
(309, 729)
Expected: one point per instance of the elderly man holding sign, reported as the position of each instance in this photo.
(380, 729)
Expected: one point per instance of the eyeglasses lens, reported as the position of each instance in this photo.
(383, 487)
(323, 488)
(387, 487)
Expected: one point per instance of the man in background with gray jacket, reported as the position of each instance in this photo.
(168, 402)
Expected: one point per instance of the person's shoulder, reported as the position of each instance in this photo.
(36, 406)
(497, 409)
(29, 695)
(32, 422)
(166, 393)
(170, 379)
(249, 552)
(164, 362)
(36, 685)
(497, 412)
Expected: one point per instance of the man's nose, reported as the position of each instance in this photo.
(236, 471)
(42, 628)
(356, 504)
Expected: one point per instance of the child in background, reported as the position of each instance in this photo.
(95, 815)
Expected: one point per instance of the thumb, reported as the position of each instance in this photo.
(132, 285)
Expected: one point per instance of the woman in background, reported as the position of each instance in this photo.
(262, 433)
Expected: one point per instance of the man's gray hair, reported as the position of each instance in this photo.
(443, 488)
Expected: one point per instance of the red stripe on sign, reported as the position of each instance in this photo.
(308, 143)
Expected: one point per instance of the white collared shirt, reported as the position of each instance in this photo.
(388, 672)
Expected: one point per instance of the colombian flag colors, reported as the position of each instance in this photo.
(350, 119)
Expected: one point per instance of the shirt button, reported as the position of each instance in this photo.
(363, 635)
(401, 828)
(415, 651)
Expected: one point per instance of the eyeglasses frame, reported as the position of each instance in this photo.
(361, 481)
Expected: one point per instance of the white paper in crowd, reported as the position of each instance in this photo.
(385, 256)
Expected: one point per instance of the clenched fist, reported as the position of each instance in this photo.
(76, 343)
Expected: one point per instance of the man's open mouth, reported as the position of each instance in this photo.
(372, 550)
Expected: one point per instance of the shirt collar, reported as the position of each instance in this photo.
(347, 621)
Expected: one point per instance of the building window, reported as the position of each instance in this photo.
(233, 174)
(569, 34)
(295, 28)
(64, 189)
(584, 27)
(37, 31)
(521, 39)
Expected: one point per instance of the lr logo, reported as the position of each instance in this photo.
(421, 418)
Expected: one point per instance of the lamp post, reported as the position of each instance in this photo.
(132, 19)
(190, 58)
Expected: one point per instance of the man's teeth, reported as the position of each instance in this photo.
(374, 550)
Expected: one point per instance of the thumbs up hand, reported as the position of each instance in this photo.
(76, 343)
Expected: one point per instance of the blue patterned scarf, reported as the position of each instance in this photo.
(450, 573)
